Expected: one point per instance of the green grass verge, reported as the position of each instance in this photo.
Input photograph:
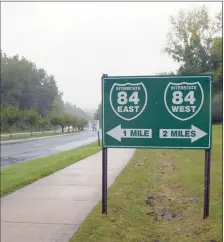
(172, 178)
(28, 136)
(22, 174)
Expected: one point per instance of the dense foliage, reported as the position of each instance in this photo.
(30, 98)
(98, 115)
(195, 43)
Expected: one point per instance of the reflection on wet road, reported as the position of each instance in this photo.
(12, 153)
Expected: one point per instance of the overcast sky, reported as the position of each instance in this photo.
(78, 42)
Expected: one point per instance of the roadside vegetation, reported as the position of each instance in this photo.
(159, 197)
(22, 174)
(31, 100)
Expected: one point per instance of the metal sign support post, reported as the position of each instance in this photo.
(104, 164)
(104, 181)
(207, 182)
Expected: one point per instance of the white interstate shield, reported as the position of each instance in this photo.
(183, 100)
(128, 100)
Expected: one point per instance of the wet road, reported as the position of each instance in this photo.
(12, 153)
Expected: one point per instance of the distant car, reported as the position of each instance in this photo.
(68, 128)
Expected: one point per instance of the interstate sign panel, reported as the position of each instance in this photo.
(157, 112)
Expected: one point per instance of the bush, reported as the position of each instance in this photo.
(217, 115)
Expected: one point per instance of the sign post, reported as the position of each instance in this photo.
(95, 126)
(207, 183)
(158, 112)
(104, 168)
(104, 180)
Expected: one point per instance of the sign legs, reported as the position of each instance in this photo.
(104, 181)
(207, 183)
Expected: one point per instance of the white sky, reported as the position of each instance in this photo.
(79, 41)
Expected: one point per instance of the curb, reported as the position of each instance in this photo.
(29, 139)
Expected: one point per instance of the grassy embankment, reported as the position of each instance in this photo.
(159, 197)
(22, 174)
(28, 136)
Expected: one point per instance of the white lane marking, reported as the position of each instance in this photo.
(37, 145)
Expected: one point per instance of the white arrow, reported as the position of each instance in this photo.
(194, 133)
(118, 133)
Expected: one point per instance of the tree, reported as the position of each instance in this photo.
(195, 42)
(11, 116)
(31, 117)
(61, 120)
(82, 123)
(190, 40)
(68, 119)
(74, 122)
(44, 122)
(3, 118)
(171, 73)
(28, 87)
(74, 110)
(217, 114)
(98, 115)
(217, 63)
(55, 120)
(48, 91)
(57, 105)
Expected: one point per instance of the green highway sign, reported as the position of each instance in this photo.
(157, 111)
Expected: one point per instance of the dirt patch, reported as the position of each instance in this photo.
(162, 207)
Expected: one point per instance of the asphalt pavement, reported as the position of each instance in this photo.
(26, 149)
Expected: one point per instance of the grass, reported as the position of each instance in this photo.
(22, 174)
(174, 179)
(28, 136)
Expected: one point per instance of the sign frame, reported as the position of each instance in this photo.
(189, 76)
(206, 149)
